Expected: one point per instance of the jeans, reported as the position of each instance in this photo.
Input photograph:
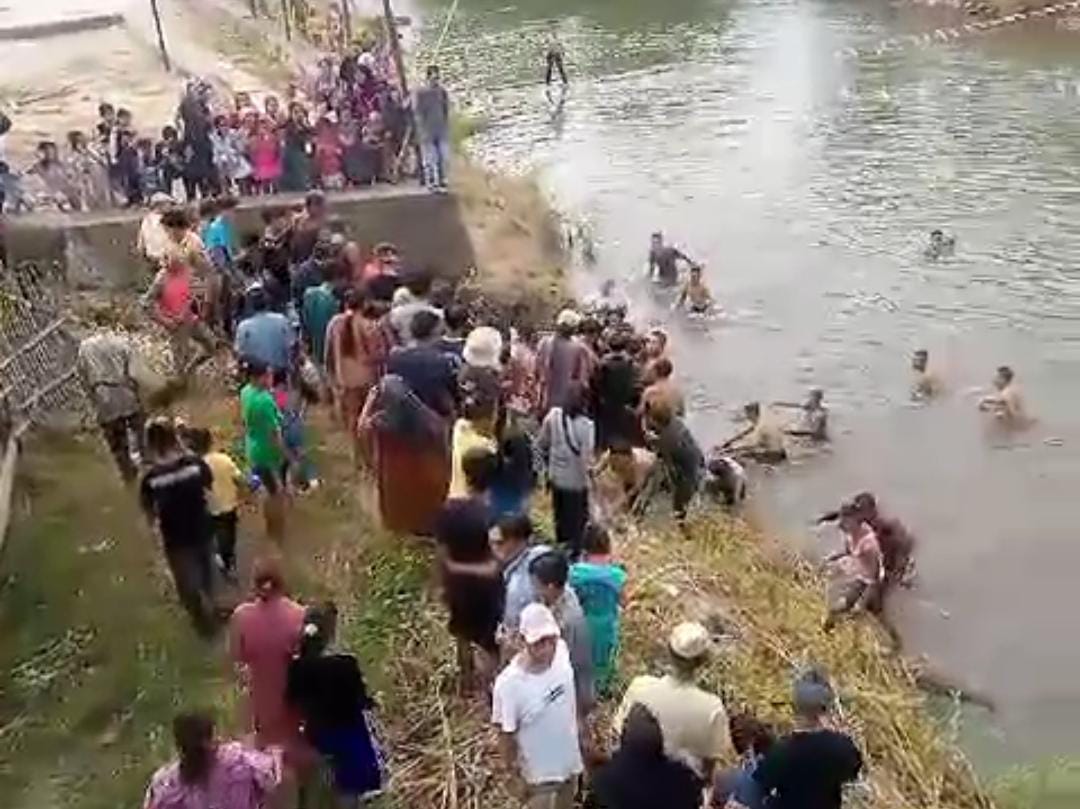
(118, 435)
(192, 574)
(435, 152)
(571, 515)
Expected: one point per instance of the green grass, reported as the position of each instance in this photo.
(96, 655)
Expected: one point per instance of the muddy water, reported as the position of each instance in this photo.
(807, 181)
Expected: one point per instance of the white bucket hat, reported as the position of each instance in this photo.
(483, 347)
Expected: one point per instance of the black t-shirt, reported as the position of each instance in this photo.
(462, 529)
(665, 260)
(617, 385)
(328, 691)
(807, 770)
(175, 492)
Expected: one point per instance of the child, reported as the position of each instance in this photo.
(264, 150)
(695, 294)
(329, 153)
(128, 168)
(169, 155)
(224, 497)
(600, 586)
(149, 170)
(293, 405)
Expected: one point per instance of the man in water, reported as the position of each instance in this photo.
(896, 542)
(1007, 403)
(813, 422)
(940, 245)
(554, 61)
(664, 261)
(762, 440)
(725, 479)
(609, 305)
(695, 295)
(927, 384)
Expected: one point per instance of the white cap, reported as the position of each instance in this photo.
(366, 59)
(568, 318)
(538, 623)
(689, 640)
(483, 347)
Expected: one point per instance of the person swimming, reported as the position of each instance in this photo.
(761, 441)
(940, 246)
(664, 261)
(695, 295)
(813, 421)
(1007, 402)
(927, 383)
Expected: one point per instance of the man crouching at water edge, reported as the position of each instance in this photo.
(858, 573)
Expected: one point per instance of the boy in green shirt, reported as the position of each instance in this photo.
(264, 444)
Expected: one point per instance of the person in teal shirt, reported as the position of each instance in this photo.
(320, 306)
(264, 444)
(600, 584)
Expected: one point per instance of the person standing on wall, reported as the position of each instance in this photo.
(432, 108)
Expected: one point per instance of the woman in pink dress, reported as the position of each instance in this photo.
(209, 773)
(264, 151)
(263, 636)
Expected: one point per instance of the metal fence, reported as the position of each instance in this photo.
(38, 353)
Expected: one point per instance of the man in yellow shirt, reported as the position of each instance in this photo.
(694, 721)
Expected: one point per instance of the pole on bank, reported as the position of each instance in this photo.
(286, 12)
(346, 24)
(160, 35)
(399, 65)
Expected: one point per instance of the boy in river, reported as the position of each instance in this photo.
(664, 261)
(695, 295)
(761, 441)
(927, 383)
(813, 422)
(1007, 404)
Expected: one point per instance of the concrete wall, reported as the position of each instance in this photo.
(97, 250)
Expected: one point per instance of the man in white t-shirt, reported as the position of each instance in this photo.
(535, 709)
(693, 721)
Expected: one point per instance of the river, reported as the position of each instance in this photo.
(808, 180)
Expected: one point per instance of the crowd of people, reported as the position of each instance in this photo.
(460, 419)
(346, 125)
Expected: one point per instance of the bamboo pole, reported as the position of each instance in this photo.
(399, 64)
(160, 35)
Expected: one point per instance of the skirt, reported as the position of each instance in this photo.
(354, 757)
(412, 483)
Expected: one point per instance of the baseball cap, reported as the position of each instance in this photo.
(689, 641)
(538, 623)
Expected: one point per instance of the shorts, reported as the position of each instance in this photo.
(271, 480)
(476, 608)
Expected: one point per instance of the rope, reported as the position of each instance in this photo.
(445, 29)
(945, 34)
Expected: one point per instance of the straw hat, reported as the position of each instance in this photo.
(689, 641)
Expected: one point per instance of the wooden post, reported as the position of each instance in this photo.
(286, 11)
(346, 25)
(160, 35)
(399, 64)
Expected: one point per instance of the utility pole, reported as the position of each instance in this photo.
(285, 14)
(346, 24)
(160, 35)
(399, 64)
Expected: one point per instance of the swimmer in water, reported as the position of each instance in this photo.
(695, 295)
(927, 384)
(664, 261)
(761, 441)
(940, 245)
(813, 422)
(1007, 402)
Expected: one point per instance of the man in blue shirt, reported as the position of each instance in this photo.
(266, 337)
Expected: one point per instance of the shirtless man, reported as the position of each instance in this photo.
(761, 441)
(1007, 403)
(940, 245)
(813, 422)
(695, 295)
(927, 383)
(664, 261)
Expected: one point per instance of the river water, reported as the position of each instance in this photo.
(807, 180)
